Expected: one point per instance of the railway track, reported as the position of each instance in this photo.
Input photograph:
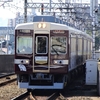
(31, 96)
(5, 75)
(75, 91)
(22, 96)
(6, 79)
(53, 96)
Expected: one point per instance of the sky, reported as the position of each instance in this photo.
(10, 13)
(4, 16)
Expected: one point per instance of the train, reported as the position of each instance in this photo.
(49, 54)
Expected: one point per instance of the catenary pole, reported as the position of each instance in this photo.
(94, 11)
(25, 11)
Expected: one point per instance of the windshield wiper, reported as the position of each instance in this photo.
(57, 45)
(54, 50)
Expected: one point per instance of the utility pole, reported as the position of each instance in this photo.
(42, 8)
(25, 11)
(94, 8)
(50, 5)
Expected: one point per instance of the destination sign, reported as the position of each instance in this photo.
(58, 31)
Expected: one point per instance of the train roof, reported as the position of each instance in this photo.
(53, 26)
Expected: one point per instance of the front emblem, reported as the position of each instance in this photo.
(22, 67)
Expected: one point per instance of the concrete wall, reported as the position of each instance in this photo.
(6, 63)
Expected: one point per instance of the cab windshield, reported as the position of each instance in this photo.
(24, 45)
(58, 45)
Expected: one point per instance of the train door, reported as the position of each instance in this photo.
(41, 55)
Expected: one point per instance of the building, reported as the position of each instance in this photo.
(6, 38)
(20, 19)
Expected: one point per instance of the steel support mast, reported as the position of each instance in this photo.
(93, 13)
(25, 11)
(74, 13)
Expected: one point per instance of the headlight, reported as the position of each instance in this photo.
(42, 25)
(64, 62)
(21, 61)
(27, 61)
(39, 25)
(55, 62)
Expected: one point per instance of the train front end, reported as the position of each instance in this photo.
(41, 55)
